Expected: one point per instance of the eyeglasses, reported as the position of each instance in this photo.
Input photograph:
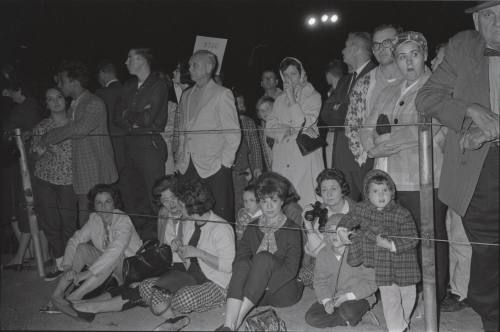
(385, 44)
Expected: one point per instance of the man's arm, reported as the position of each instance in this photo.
(231, 126)
(95, 114)
(154, 115)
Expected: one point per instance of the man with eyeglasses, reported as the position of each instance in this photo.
(464, 94)
(367, 90)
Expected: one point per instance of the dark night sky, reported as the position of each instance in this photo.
(91, 30)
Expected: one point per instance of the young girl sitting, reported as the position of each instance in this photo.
(250, 212)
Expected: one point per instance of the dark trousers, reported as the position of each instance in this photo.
(349, 311)
(146, 157)
(355, 180)
(411, 201)
(250, 279)
(56, 207)
(481, 223)
(221, 186)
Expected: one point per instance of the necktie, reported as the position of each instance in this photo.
(491, 52)
(353, 80)
(193, 241)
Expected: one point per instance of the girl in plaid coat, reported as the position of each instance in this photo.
(384, 242)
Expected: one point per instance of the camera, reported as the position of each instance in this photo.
(318, 212)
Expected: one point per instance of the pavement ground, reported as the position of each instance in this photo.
(23, 293)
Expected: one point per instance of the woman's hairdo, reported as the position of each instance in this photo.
(332, 174)
(195, 195)
(104, 188)
(271, 183)
(167, 182)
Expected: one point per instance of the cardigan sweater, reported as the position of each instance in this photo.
(289, 253)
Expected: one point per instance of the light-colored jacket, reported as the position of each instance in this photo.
(124, 241)
(287, 159)
(334, 277)
(398, 104)
(211, 148)
(216, 238)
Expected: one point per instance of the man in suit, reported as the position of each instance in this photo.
(141, 110)
(356, 54)
(109, 92)
(209, 155)
(464, 94)
(92, 153)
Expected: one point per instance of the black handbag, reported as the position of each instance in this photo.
(151, 260)
(308, 144)
(266, 320)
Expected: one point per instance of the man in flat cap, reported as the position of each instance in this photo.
(464, 94)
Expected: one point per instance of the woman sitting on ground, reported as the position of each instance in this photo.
(101, 244)
(125, 296)
(333, 189)
(267, 259)
(205, 246)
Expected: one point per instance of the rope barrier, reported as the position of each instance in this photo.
(184, 219)
(236, 130)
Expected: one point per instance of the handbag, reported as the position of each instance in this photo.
(266, 320)
(308, 144)
(151, 260)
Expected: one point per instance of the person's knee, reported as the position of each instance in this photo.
(242, 265)
(184, 301)
(353, 311)
(263, 260)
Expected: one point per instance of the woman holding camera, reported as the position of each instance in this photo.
(333, 189)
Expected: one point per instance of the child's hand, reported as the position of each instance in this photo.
(329, 307)
(340, 299)
(343, 235)
(383, 242)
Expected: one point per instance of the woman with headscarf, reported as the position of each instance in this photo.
(298, 106)
(395, 145)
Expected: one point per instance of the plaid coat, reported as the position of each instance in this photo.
(400, 267)
(92, 153)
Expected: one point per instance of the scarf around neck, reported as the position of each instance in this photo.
(268, 242)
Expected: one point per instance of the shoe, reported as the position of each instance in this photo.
(53, 275)
(13, 267)
(452, 303)
(173, 324)
(82, 315)
(223, 328)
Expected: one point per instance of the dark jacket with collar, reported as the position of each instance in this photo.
(334, 112)
(110, 95)
(462, 79)
(142, 109)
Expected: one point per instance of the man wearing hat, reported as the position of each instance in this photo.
(464, 94)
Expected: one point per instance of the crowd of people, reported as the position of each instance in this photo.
(250, 217)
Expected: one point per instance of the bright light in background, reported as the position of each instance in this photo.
(311, 21)
(324, 18)
(334, 18)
